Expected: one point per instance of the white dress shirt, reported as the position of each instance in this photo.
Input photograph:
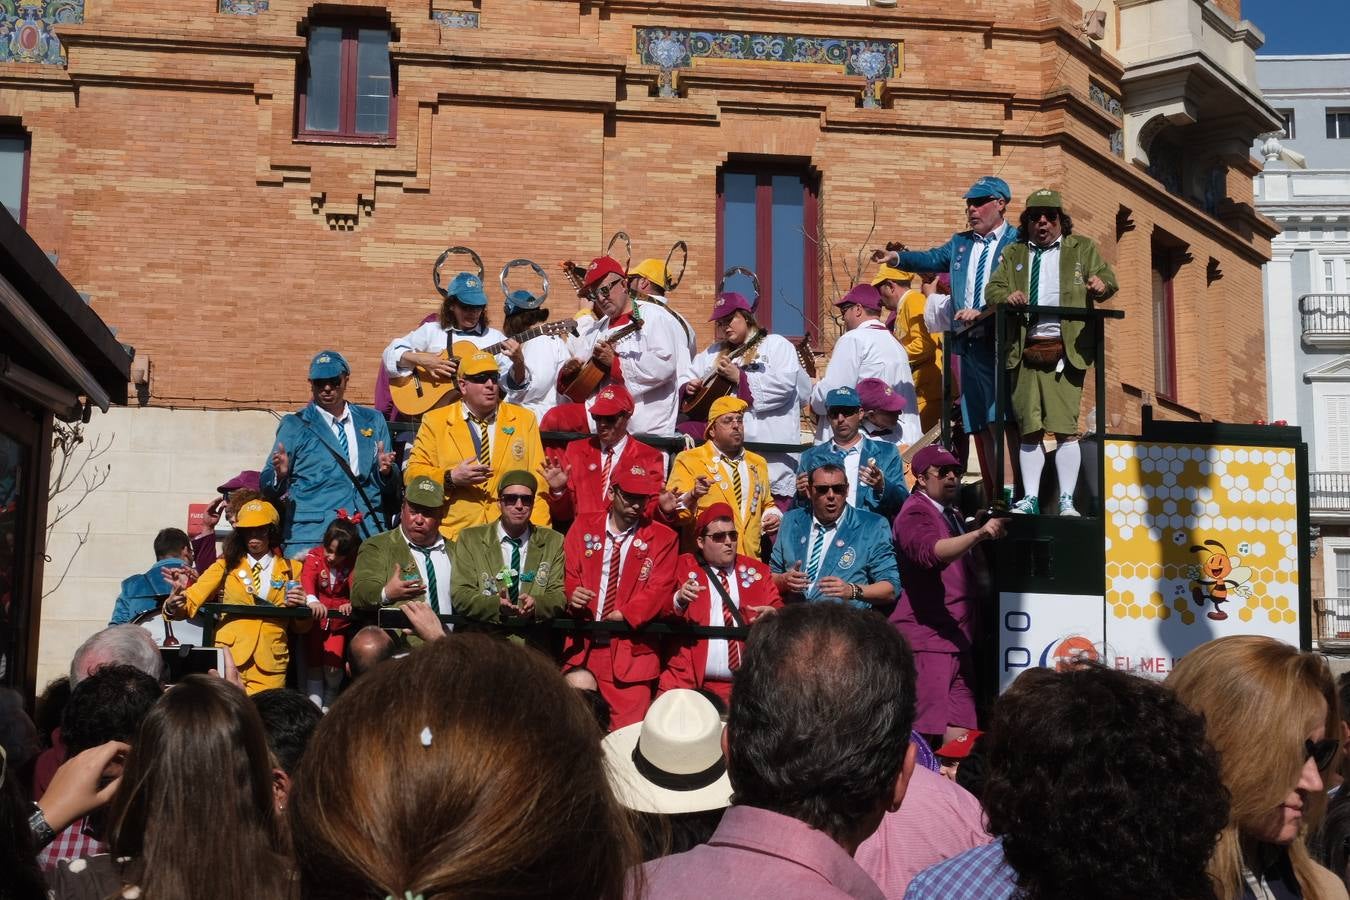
(504, 539)
(869, 351)
(614, 543)
(718, 666)
(990, 240)
(264, 577)
(440, 561)
(430, 337)
(544, 355)
(852, 462)
(473, 427)
(346, 425)
(1047, 292)
(743, 472)
(824, 550)
(616, 453)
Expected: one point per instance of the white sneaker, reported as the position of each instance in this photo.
(1066, 506)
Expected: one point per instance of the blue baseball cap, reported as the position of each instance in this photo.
(989, 186)
(328, 364)
(521, 300)
(842, 396)
(467, 288)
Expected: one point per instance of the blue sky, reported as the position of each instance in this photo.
(1300, 26)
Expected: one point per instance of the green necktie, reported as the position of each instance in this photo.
(433, 596)
(1036, 274)
(513, 586)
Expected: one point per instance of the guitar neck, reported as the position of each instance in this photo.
(520, 337)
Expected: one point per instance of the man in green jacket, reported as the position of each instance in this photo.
(509, 570)
(1048, 358)
(410, 562)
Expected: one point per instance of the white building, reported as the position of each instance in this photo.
(1306, 189)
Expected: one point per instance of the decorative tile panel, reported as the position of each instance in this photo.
(1111, 105)
(455, 19)
(242, 7)
(678, 48)
(28, 29)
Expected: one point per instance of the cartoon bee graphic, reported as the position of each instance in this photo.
(1216, 577)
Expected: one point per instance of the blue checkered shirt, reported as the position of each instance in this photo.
(979, 874)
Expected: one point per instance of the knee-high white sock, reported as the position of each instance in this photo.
(314, 686)
(1067, 460)
(1031, 459)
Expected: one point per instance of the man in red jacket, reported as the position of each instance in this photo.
(620, 568)
(579, 481)
(720, 587)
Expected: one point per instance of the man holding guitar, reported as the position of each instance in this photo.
(463, 317)
(760, 368)
(641, 346)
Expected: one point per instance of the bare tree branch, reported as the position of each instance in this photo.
(78, 475)
(81, 540)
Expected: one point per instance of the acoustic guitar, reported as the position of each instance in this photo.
(579, 380)
(416, 394)
(698, 404)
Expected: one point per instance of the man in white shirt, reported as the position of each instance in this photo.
(867, 349)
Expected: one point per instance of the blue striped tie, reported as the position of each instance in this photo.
(340, 426)
(813, 560)
(977, 301)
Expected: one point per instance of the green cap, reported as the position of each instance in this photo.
(1045, 199)
(424, 491)
(518, 477)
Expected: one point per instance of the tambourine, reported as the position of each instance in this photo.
(519, 300)
(627, 246)
(440, 261)
(672, 282)
(740, 270)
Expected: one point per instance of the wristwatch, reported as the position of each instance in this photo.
(41, 830)
(857, 591)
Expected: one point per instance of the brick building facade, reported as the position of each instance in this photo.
(229, 233)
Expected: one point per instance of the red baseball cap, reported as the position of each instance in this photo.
(960, 747)
(637, 480)
(596, 272)
(712, 514)
(612, 400)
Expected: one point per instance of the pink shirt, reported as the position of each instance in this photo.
(759, 854)
(938, 819)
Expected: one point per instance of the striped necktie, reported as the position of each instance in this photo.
(257, 579)
(1035, 285)
(612, 580)
(604, 472)
(977, 301)
(340, 426)
(733, 647)
(483, 446)
(433, 595)
(513, 586)
(817, 546)
(735, 466)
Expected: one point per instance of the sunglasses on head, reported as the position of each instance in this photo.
(483, 378)
(517, 499)
(823, 489)
(321, 383)
(1322, 752)
(723, 537)
(844, 411)
(1051, 215)
(978, 201)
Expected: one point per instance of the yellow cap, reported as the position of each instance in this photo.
(890, 273)
(723, 405)
(654, 270)
(256, 514)
(477, 363)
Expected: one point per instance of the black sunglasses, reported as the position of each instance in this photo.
(1323, 752)
(823, 489)
(844, 411)
(978, 201)
(321, 383)
(631, 499)
(607, 420)
(483, 378)
(1050, 214)
(944, 471)
(723, 537)
(517, 499)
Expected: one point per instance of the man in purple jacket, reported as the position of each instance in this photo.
(941, 581)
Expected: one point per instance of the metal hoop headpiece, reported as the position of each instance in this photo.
(627, 245)
(440, 261)
(673, 281)
(517, 300)
(740, 270)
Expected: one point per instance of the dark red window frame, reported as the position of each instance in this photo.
(1167, 263)
(346, 133)
(764, 171)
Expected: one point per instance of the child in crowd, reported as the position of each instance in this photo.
(326, 579)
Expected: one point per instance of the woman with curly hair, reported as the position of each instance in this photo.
(1271, 712)
(1100, 784)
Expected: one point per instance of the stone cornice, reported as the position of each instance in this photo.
(772, 11)
(124, 37)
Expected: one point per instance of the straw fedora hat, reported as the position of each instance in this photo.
(670, 762)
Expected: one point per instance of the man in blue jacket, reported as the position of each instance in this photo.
(876, 475)
(970, 257)
(330, 455)
(144, 592)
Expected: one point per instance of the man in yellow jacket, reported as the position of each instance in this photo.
(467, 444)
(251, 572)
(721, 470)
(923, 348)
